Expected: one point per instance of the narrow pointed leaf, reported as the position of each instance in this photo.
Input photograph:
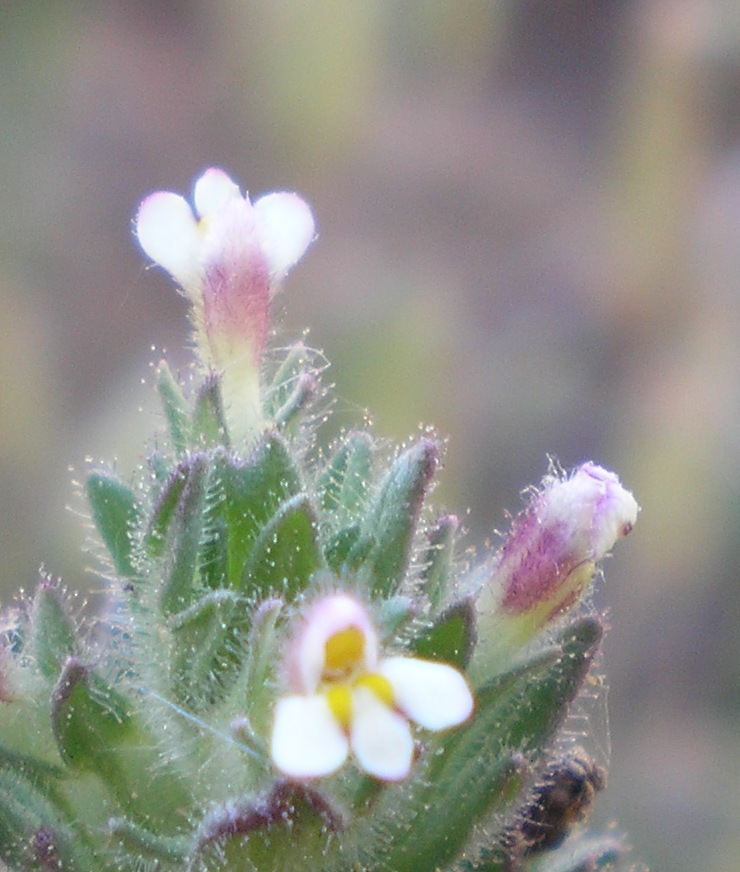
(34, 830)
(116, 513)
(452, 636)
(263, 652)
(343, 485)
(295, 365)
(289, 414)
(394, 513)
(516, 717)
(98, 732)
(439, 560)
(286, 553)
(145, 845)
(209, 423)
(203, 644)
(184, 537)
(251, 492)
(176, 410)
(165, 507)
(340, 545)
(52, 636)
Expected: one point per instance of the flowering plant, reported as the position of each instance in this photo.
(296, 672)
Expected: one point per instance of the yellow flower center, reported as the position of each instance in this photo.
(343, 654)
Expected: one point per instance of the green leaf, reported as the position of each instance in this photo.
(341, 544)
(343, 485)
(286, 553)
(34, 830)
(183, 519)
(203, 644)
(87, 724)
(285, 384)
(116, 514)
(136, 841)
(164, 509)
(516, 716)
(289, 828)
(451, 638)
(176, 410)
(52, 636)
(98, 732)
(389, 528)
(263, 652)
(250, 494)
(209, 422)
(298, 400)
(435, 578)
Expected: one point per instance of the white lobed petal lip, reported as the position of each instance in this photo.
(168, 232)
(380, 738)
(307, 741)
(286, 229)
(213, 190)
(433, 695)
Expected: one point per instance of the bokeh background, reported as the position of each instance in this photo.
(529, 221)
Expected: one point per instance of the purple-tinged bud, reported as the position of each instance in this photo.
(548, 559)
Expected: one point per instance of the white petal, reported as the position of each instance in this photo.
(307, 741)
(434, 695)
(212, 190)
(380, 738)
(168, 232)
(286, 228)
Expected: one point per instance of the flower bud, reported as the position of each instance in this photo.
(548, 560)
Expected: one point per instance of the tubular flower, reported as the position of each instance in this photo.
(229, 256)
(343, 696)
(551, 553)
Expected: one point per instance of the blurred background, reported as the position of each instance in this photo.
(529, 219)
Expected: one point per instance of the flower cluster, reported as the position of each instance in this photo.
(229, 256)
(343, 695)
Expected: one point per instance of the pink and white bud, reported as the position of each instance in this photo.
(229, 256)
(548, 560)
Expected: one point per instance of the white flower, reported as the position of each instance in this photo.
(229, 256)
(343, 696)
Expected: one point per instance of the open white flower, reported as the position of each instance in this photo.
(229, 256)
(343, 696)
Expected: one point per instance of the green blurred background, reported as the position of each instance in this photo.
(529, 217)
